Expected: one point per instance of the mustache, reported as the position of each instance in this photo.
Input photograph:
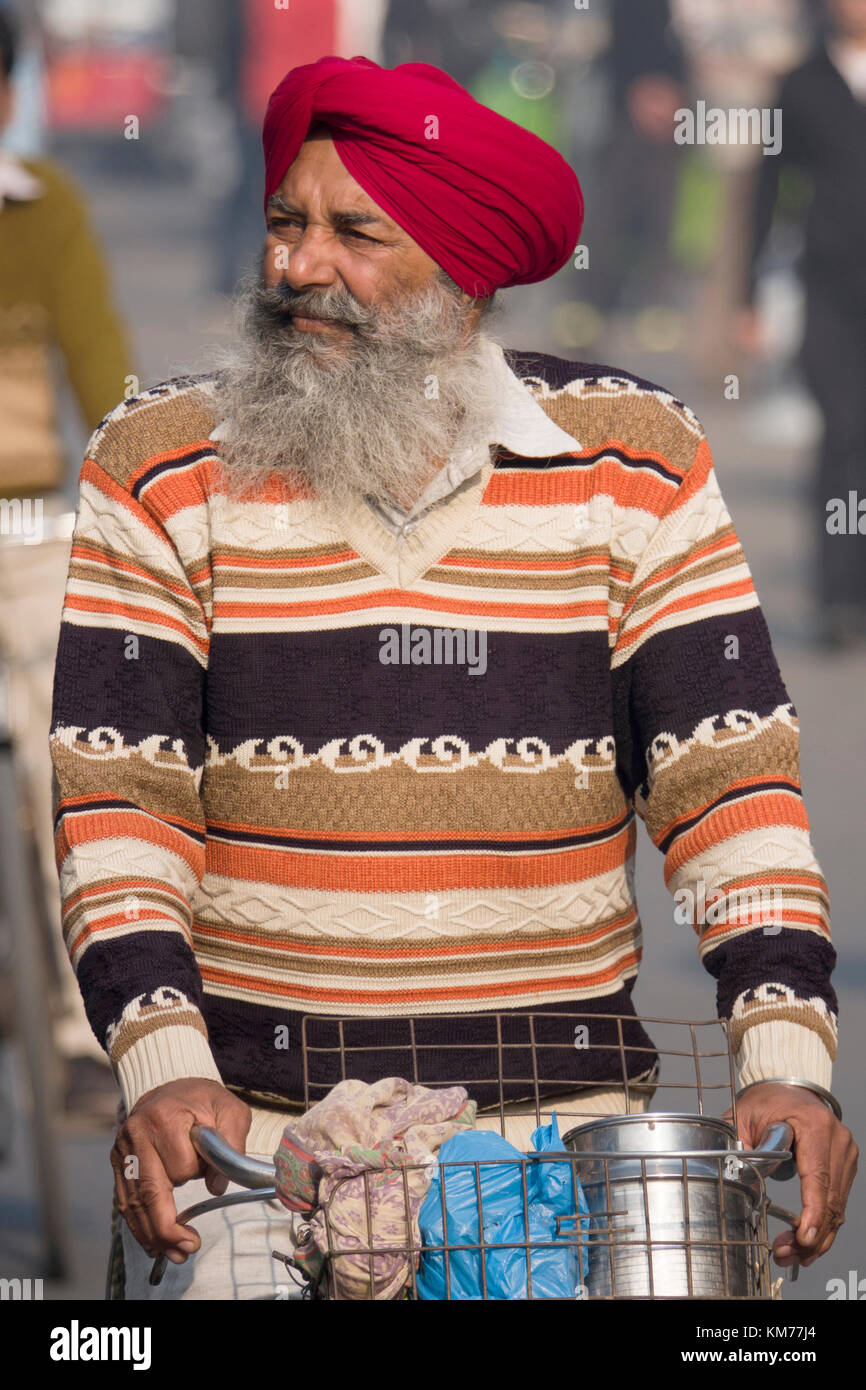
(280, 302)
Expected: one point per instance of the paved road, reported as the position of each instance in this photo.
(161, 264)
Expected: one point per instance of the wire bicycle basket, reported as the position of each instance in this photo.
(667, 1202)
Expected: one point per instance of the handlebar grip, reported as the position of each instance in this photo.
(777, 1138)
(237, 1167)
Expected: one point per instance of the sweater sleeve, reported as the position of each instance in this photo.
(86, 322)
(707, 743)
(127, 747)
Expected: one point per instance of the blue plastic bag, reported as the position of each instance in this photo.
(551, 1191)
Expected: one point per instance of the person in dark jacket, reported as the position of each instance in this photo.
(823, 105)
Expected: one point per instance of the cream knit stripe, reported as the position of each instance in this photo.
(175, 1053)
(783, 1049)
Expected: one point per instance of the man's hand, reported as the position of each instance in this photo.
(156, 1135)
(826, 1162)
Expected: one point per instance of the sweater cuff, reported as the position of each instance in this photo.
(777, 1049)
(160, 1037)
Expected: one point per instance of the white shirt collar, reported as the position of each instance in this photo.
(521, 424)
(16, 182)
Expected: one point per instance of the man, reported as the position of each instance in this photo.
(823, 104)
(55, 302)
(276, 808)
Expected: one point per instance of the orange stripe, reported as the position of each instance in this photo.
(813, 919)
(133, 825)
(682, 605)
(417, 873)
(93, 929)
(277, 487)
(775, 809)
(408, 598)
(730, 542)
(284, 562)
(413, 996)
(609, 477)
(134, 613)
(738, 785)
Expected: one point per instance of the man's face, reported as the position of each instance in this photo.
(360, 368)
(326, 235)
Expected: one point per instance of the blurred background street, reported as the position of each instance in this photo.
(684, 286)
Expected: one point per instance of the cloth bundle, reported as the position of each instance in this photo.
(366, 1136)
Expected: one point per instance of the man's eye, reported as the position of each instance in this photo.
(280, 225)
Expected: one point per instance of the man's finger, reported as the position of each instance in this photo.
(233, 1122)
(152, 1199)
(134, 1214)
(216, 1182)
(814, 1145)
(842, 1165)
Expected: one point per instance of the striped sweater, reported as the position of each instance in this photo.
(276, 797)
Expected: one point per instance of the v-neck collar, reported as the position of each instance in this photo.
(405, 558)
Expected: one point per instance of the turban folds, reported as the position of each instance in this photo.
(491, 203)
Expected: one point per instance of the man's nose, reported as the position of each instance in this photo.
(310, 261)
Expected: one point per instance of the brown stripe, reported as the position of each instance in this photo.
(713, 565)
(475, 801)
(805, 1017)
(131, 1033)
(390, 964)
(597, 414)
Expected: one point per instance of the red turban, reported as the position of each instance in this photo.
(492, 204)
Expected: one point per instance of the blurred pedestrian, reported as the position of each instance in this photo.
(54, 298)
(629, 232)
(823, 103)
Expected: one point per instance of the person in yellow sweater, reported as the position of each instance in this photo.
(56, 310)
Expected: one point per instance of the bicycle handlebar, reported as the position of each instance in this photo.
(773, 1154)
(259, 1176)
(237, 1167)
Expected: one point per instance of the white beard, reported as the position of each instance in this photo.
(375, 414)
